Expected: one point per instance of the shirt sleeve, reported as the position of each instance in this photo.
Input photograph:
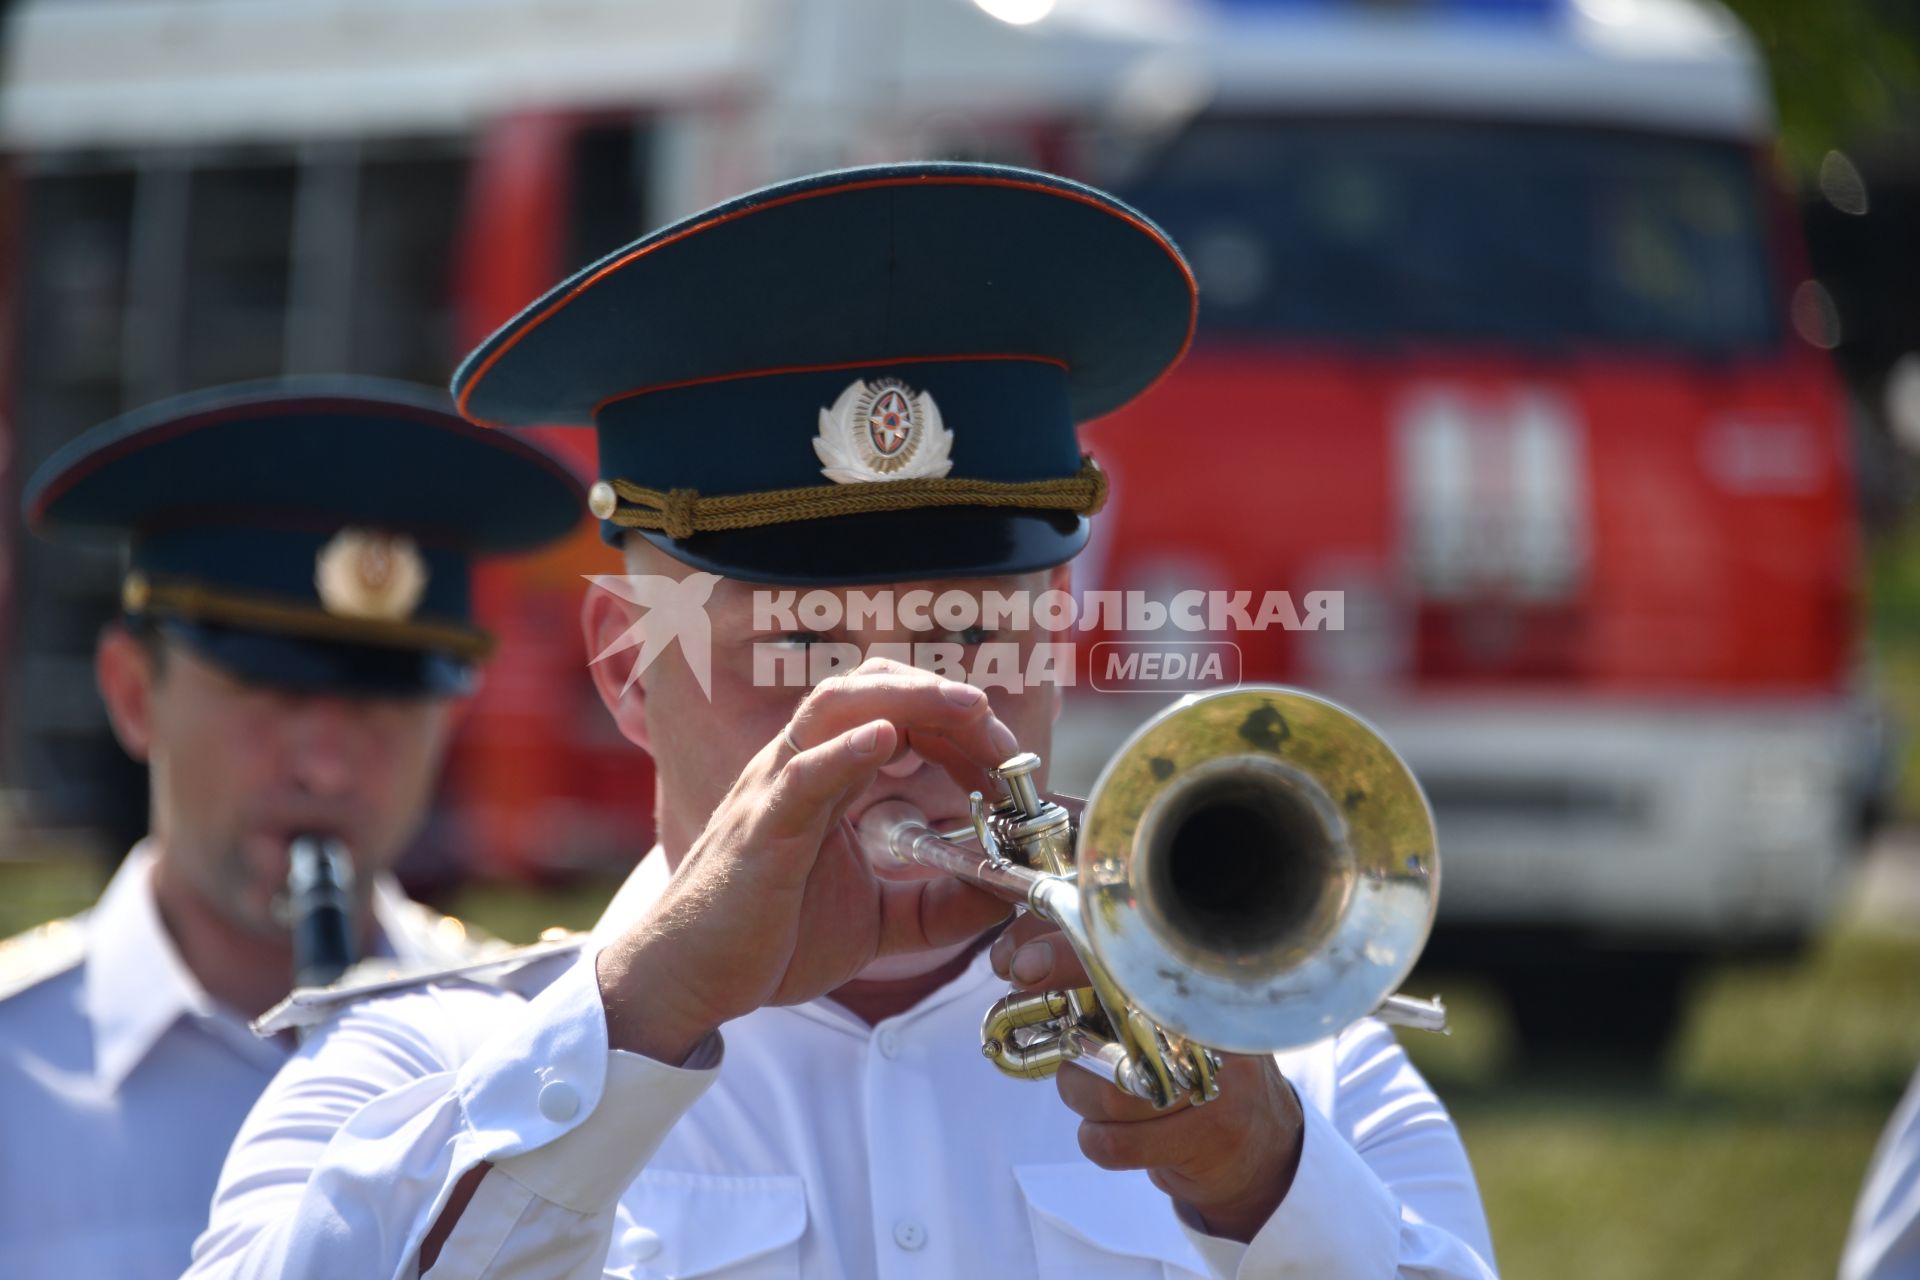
(1383, 1187)
(1884, 1241)
(352, 1153)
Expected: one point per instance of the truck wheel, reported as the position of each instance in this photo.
(1617, 1011)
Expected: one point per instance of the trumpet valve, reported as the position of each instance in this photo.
(1016, 774)
(1032, 1058)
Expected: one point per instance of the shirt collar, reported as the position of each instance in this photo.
(973, 980)
(136, 983)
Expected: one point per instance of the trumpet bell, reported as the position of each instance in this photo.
(1258, 869)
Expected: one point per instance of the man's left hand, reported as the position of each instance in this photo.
(1228, 1163)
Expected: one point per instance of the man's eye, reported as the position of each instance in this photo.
(800, 639)
(973, 635)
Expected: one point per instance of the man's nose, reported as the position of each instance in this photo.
(321, 745)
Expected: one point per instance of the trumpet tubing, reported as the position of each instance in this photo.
(1252, 871)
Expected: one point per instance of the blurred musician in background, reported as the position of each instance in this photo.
(293, 649)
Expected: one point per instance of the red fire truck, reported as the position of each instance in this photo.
(1506, 336)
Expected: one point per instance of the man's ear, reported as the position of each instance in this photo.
(124, 670)
(604, 618)
(460, 706)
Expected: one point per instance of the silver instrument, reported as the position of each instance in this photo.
(320, 909)
(1253, 870)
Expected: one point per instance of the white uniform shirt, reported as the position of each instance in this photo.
(1884, 1243)
(819, 1148)
(122, 1083)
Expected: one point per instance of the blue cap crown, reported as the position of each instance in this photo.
(860, 376)
(311, 532)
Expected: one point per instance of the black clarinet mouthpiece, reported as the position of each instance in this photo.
(320, 895)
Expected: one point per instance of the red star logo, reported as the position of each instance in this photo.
(889, 422)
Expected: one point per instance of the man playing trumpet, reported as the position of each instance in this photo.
(769, 1063)
(293, 645)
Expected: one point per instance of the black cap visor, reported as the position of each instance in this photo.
(303, 665)
(885, 546)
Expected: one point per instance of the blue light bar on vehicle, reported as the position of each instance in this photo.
(1531, 10)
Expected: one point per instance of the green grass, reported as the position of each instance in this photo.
(1898, 665)
(518, 914)
(1742, 1159)
(1581, 1184)
(44, 888)
(1893, 625)
(1840, 1025)
(31, 892)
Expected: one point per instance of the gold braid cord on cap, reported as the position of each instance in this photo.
(681, 513)
(199, 602)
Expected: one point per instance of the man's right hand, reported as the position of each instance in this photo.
(775, 903)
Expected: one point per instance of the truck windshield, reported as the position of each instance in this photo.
(1370, 231)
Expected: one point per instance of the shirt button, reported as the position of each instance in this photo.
(559, 1101)
(889, 1042)
(909, 1234)
(642, 1243)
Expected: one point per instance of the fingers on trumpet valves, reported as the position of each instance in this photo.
(943, 721)
(1032, 953)
(1192, 1068)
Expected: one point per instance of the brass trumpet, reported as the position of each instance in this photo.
(1254, 870)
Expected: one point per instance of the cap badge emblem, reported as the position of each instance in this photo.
(883, 430)
(364, 573)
